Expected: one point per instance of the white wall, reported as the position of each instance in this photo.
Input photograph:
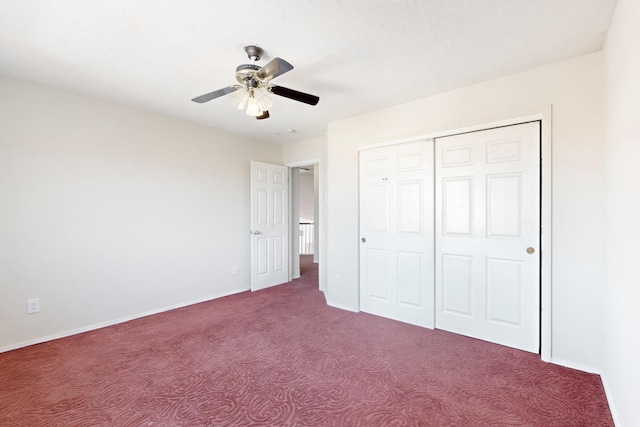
(622, 214)
(303, 153)
(307, 195)
(575, 90)
(108, 212)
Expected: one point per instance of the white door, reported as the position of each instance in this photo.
(269, 225)
(396, 230)
(488, 235)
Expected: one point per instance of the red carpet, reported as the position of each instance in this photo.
(282, 357)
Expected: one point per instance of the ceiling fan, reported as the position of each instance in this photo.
(255, 86)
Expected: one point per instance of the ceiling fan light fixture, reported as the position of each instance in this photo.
(239, 98)
(264, 99)
(253, 107)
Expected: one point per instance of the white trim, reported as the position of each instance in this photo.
(294, 241)
(546, 237)
(609, 395)
(342, 306)
(117, 321)
(577, 366)
(483, 126)
(545, 115)
(303, 163)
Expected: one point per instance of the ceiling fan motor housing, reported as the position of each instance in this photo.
(246, 73)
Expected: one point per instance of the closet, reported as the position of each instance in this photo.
(450, 234)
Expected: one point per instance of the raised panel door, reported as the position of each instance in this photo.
(487, 216)
(269, 225)
(396, 227)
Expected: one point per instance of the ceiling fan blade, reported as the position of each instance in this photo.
(294, 94)
(215, 94)
(264, 115)
(274, 68)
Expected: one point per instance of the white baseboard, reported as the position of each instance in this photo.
(578, 366)
(95, 326)
(608, 394)
(341, 306)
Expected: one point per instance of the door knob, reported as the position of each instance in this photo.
(256, 232)
(530, 250)
(363, 240)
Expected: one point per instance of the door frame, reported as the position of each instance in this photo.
(319, 221)
(544, 115)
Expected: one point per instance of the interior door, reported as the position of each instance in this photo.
(488, 235)
(396, 228)
(269, 225)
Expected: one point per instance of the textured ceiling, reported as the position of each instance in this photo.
(358, 55)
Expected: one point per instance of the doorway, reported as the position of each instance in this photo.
(305, 215)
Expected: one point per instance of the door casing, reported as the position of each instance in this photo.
(319, 216)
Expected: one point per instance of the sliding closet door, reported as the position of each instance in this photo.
(396, 231)
(488, 235)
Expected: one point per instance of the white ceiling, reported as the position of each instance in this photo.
(357, 55)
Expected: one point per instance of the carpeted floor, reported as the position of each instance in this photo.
(281, 357)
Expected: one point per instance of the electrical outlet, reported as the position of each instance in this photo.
(33, 306)
(236, 269)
